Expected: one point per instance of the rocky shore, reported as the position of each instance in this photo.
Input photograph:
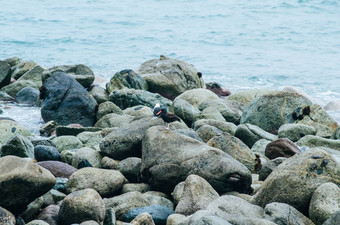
(252, 157)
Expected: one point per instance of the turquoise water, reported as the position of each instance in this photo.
(240, 44)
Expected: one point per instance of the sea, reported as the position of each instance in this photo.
(240, 44)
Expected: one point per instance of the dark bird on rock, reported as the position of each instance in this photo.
(166, 116)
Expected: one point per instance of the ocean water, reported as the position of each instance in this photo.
(240, 44)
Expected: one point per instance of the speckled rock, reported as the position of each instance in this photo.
(282, 147)
(206, 132)
(334, 219)
(246, 96)
(106, 108)
(143, 218)
(140, 187)
(86, 157)
(138, 111)
(18, 145)
(28, 95)
(6, 217)
(212, 113)
(159, 213)
(186, 111)
(90, 139)
(250, 134)
(22, 68)
(114, 120)
(126, 79)
(260, 146)
(44, 153)
(13, 88)
(130, 168)
(58, 169)
(34, 75)
(295, 131)
(197, 96)
(99, 93)
(315, 141)
(9, 127)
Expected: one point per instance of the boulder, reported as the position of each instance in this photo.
(45, 153)
(314, 116)
(159, 213)
(13, 88)
(8, 128)
(170, 77)
(108, 163)
(140, 187)
(81, 206)
(127, 141)
(105, 182)
(197, 96)
(33, 209)
(81, 73)
(21, 68)
(282, 214)
(332, 106)
(260, 146)
(324, 203)
(13, 61)
(178, 192)
(210, 220)
(21, 182)
(18, 145)
(138, 111)
(246, 96)
(223, 126)
(130, 97)
(6, 217)
(66, 101)
(126, 79)
(143, 218)
(66, 156)
(58, 169)
(269, 111)
(66, 142)
(295, 132)
(37, 222)
(267, 167)
(34, 75)
(250, 134)
(235, 148)
(212, 113)
(130, 168)
(189, 133)
(197, 195)
(28, 95)
(187, 112)
(336, 134)
(114, 120)
(106, 108)
(334, 219)
(86, 157)
(166, 166)
(5, 73)
(90, 139)
(206, 132)
(99, 93)
(295, 180)
(315, 141)
(282, 147)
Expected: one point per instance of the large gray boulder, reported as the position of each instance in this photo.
(295, 180)
(105, 182)
(170, 77)
(5, 73)
(130, 97)
(223, 126)
(80, 206)
(126, 79)
(179, 156)
(197, 96)
(67, 102)
(269, 111)
(21, 182)
(187, 112)
(81, 73)
(127, 141)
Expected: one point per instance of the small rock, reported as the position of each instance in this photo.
(6, 217)
(86, 157)
(206, 132)
(99, 93)
(143, 218)
(66, 142)
(282, 147)
(45, 153)
(250, 134)
(295, 131)
(108, 163)
(130, 168)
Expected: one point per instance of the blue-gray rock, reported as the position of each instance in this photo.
(334, 219)
(6, 217)
(126, 79)
(67, 102)
(44, 153)
(159, 213)
(28, 95)
(5, 73)
(61, 184)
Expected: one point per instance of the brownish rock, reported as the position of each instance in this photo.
(58, 169)
(49, 214)
(282, 147)
(217, 89)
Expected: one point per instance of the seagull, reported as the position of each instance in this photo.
(166, 116)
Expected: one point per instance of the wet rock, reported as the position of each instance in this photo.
(58, 169)
(250, 134)
(99, 94)
(217, 89)
(28, 95)
(314, 116)
(86, 157)
(81, 206)
(5, 73)
(105, 182)
(66, 101)
(170, 77)
(106, 108)
(126, 79)
(315, 141)
(269, 111)
(130, 168)
(18, 145)
(223, 126)
(143, 218)
(296, 179)
(6, 217)
(189, 156)
(44, 153)
(159, 213)
(324, 203)
(235, 148)
(66, 142)
(34, 75)
(206, 132)
(22, 68)
(281, 213)
(246, 96)
(114, 120)
(13, 88)
(81, 73)
(130, 97)
(295, 132)
(126, 141)
(140, 187)
(21, 182)
(197, 194)
(282, 147)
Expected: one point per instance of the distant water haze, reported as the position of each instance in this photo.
(240, 44)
